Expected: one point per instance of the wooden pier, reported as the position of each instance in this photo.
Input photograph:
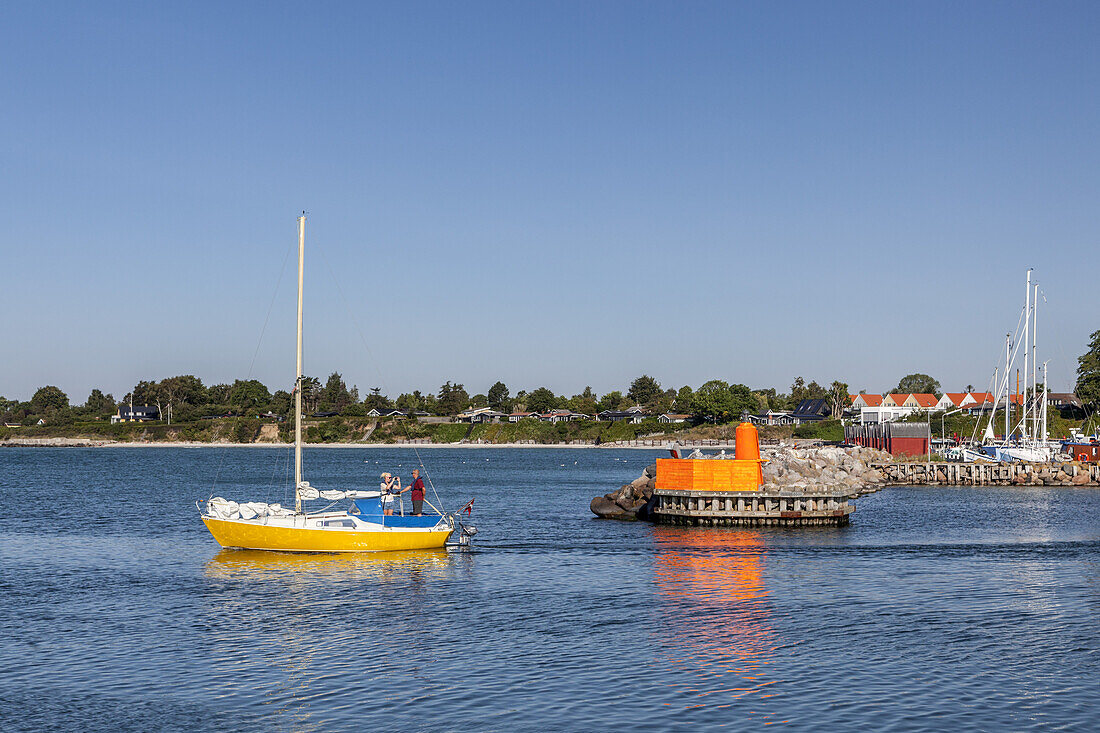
(740, 508)
(991, 474)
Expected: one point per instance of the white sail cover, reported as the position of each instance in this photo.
(224, 509)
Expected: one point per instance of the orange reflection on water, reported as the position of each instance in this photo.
(715, 618)
(703, 562)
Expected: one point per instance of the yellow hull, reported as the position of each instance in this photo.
(254, 536)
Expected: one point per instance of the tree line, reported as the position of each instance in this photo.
(186, 398)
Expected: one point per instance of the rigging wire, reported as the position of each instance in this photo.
(255, 353)
(378, 370)
(1007, 375)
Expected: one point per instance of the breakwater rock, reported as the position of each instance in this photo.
(839, 472)
(632, 501)
(992, 474)
(849, 471)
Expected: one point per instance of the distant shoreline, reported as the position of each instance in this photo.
(80, 443)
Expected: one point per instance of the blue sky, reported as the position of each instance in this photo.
(558, 194)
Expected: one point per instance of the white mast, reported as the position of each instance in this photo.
(1008, 385)
(1027, 325)
(993, 415)
(298, 373)
(1046, 386)
(1035, 364)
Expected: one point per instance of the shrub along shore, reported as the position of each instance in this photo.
(366, 431)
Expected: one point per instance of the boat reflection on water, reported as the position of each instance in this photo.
(263, 564)
(291, 623)
(715, 616)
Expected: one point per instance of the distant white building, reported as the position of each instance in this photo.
(480, 414)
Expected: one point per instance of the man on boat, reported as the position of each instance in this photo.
(417, 489)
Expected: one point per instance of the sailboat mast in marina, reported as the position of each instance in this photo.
(368, 524)
(1032, 443)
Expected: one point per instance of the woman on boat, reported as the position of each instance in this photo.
(389, 488)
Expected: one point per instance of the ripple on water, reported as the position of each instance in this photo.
(914, 617)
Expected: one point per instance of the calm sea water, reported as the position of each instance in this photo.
(936, 609)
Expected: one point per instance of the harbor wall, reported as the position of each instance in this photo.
(990, 474)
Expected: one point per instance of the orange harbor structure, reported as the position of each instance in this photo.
(730, 492)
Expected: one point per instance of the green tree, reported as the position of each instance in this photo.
(717, 401)
(584, 403)
(99, 403)
(453, 398)
(918, 384)
(479, 400)
(218, 394)
(378, 401)
(498, 397)
(249, 394)
(644, 390)
(611, 401)
(815, 391)
(282, 403)
(8, 408)
(664, 400)
(798, 391)
(311, 394)
(179, 394)
(838, 398)
(185, 388)
(542, 400)
(335, 395)
(144, 393)
(682, 403)
(1088, 373)
(410, 402)
(48, 399)
(772, 400)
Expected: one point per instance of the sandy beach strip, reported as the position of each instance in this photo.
(92, 443)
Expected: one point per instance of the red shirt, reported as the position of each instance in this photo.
(418, 489)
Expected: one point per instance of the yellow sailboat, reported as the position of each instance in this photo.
(363, 527)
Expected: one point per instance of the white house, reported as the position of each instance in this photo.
(954, 400)
(480, 414)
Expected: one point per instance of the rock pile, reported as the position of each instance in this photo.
(837, 470)
(842, 471)
(631, 501)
